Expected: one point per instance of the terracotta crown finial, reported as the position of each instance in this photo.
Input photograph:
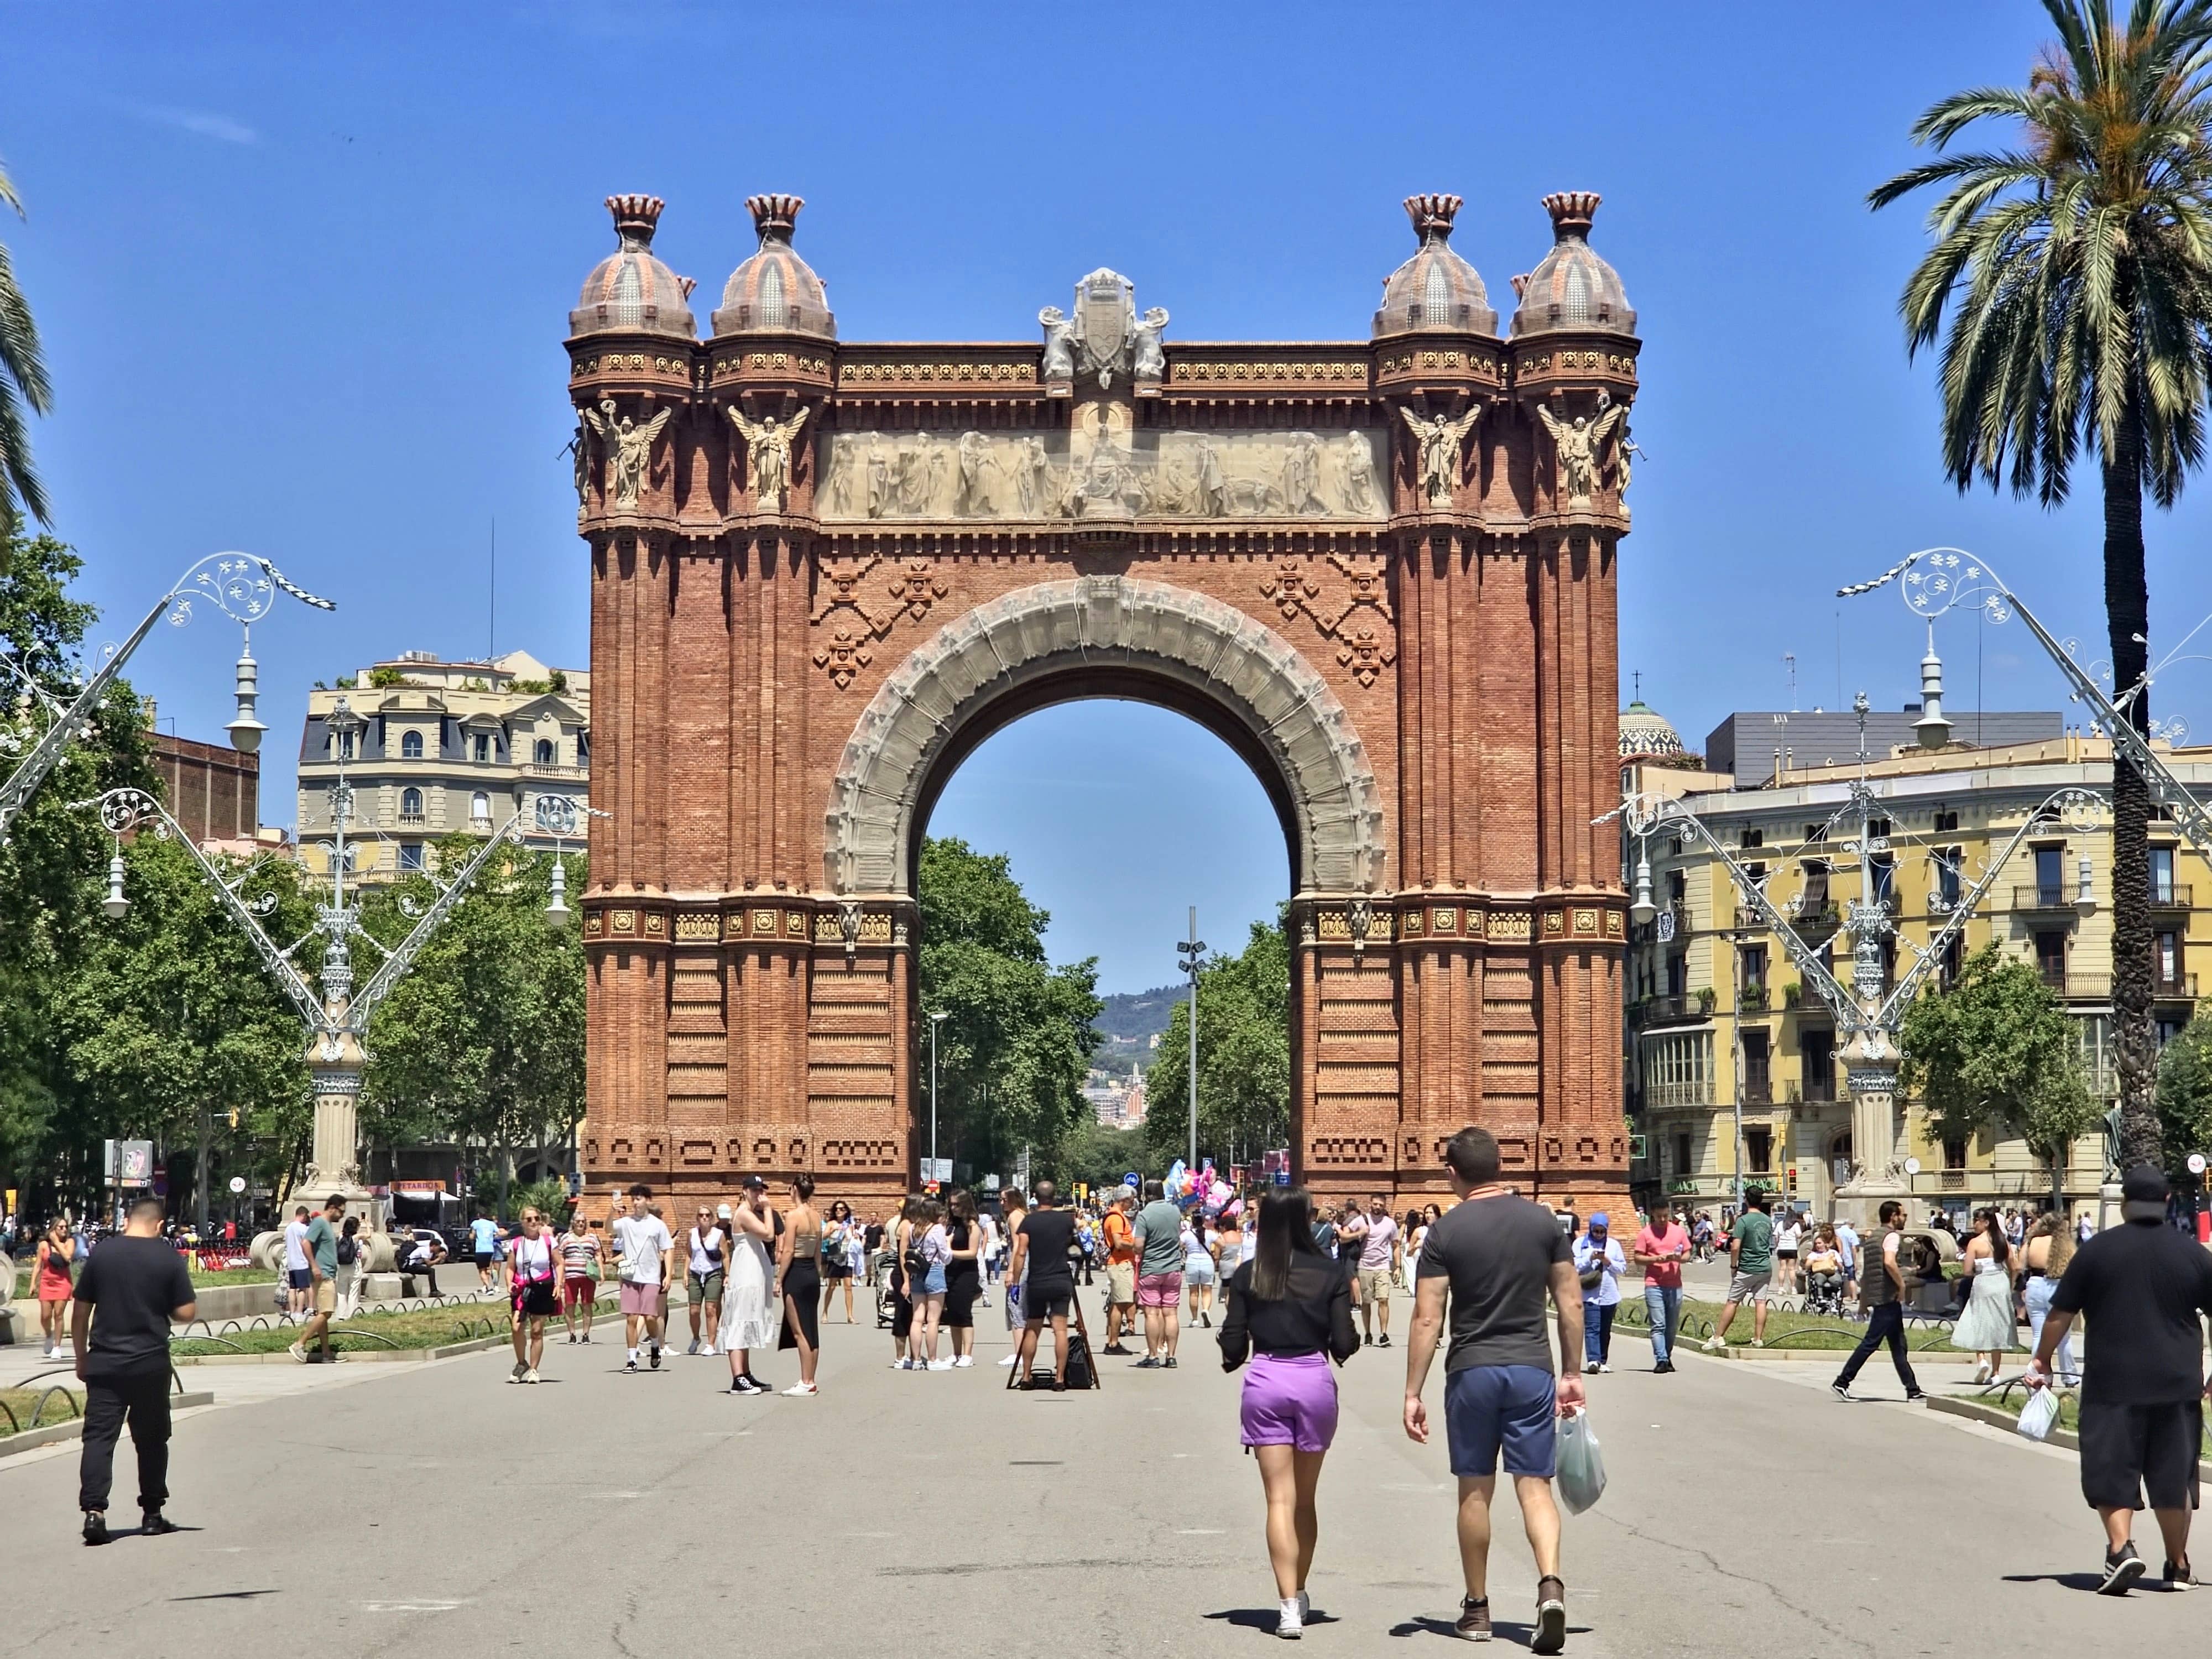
(774, 215)
(1571, 211)
(1433, 216)
(1520, 283)
(685, 284)
(635, 217)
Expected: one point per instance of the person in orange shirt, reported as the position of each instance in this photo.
(1120, 1270)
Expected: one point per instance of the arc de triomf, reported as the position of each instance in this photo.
(1382, 570)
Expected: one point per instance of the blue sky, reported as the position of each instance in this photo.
(304, 273)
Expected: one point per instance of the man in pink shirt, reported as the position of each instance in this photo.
(1662, 1247)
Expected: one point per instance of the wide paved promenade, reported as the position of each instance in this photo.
(407, 1510)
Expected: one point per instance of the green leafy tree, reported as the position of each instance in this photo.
(1016, 1042)
(1998, 1048)
(1096, 1154)
(2184, 1093)
(1243, 1057)
(482, 1041)
(50, 866)
(171, 1023)
(22, 385)
(2076, 268)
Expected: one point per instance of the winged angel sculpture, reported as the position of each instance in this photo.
(1576, 442)
(768, 448)
(1439, 441)
(627, 447)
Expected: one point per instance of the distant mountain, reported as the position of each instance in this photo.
(1139, 1017)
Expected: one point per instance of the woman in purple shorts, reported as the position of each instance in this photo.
(1289, 1309)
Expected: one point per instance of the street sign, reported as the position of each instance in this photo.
(237, 1185)
(1912, 1166)
(1130, 1179)
(936, 1169)
(1283, 1177)
(129, 1162)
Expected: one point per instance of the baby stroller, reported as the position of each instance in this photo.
(1824, 1294)
(886, 1309)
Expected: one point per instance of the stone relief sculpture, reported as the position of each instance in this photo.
(579, 447)
(768, 454)
(1059, 351)
(1624, 450)
(1437, 441)
(1152, 361)
(1101, 469)
(630, 448)
(1575, 444)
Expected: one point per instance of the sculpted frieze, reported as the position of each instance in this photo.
(1101, 469)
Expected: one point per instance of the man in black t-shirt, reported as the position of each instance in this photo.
(2143, 1287)
(1041, 1242)
(1498, 1259)
(135, 1283)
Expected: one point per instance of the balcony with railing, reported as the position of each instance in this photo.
(2098, 988)
(2041, 895)
(546, 770)
(2170, 896)
(1697, 1092)
(1758, 1092)
(1669, 1009)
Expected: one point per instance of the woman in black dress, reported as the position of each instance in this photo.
(799, 1258)
(963, 1278)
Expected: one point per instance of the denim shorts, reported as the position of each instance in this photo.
(1508, 1408)
(933, 1283)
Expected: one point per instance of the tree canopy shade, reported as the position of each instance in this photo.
(2185, 1095)
(1998, 1046)
(2070, 283)
(1016, 1042)
(50, 865)
(1243, 1058)
(23, 385)
(482, 1041)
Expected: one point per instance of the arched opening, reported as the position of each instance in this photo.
(1113, 815)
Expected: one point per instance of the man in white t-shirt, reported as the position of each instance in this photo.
(989, 1224)
(703, 1276)
(1847, 1245)
(296, 1275)
(647, 1259)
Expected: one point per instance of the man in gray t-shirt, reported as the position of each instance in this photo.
(1159, 1276)
(1500, 1257)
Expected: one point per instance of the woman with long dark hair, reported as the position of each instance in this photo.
(1985, 1327)
(1289, 1309)
(837, 1257)
(963, 1276)
(798, 1259)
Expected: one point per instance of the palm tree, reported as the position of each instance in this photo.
(22, 381)
(2076, 267)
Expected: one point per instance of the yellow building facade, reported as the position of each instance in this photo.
(1730, 1064)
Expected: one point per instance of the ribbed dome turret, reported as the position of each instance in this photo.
(1436, 291)
(775, 291)
(1646, 734)
(631, 292)
(1571, 288)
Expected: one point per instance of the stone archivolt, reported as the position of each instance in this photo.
(1383, 570)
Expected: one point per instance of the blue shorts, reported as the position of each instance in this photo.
(1487, 1408)
(299, 1277)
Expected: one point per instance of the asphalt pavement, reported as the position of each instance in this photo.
(420, 1509)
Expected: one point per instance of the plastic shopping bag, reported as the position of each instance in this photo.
(2040, 1415)
(1581, 1463)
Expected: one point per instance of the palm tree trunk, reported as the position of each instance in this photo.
(2127, 621)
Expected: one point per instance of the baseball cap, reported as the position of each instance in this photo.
(2143, 1193)
(756, 1183)
(722, 1213)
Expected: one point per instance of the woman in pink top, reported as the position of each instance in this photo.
(1662, 1247)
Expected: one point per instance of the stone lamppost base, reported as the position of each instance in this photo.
(1860, 1201)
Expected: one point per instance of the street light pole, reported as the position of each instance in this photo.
(335, 1016)
(1189, 952)
(935, 1020)
(242, 586)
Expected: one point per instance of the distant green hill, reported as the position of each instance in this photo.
(1136, 1019)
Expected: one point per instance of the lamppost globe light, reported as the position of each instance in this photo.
(2085, 893)
(557, 902)
(115, 904)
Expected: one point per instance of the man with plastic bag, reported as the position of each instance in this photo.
(1498, 1256)
(2141, 1286)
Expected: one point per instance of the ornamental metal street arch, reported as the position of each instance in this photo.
(1382, 570)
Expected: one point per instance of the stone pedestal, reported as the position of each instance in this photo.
(1875, 1176)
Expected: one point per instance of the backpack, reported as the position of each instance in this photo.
(349, 1252)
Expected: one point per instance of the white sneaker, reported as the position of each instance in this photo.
(963, 1361)
(1305, 1607)
(531, 1375)
(801, 1389)
(1290, 1622)
(1010, 1360)
(940, 1364)
(1711, 1345)
(1757, 1341)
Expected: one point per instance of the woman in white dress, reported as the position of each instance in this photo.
(1985, 1324)
(749, 1299)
